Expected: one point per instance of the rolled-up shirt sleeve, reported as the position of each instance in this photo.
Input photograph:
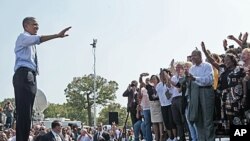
(30, 40)
(26, 40)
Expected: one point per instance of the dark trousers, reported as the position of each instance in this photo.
(178, 116)
(25, 87)
(8, 123)
(133, 115)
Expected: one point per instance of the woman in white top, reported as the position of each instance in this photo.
(155, 108)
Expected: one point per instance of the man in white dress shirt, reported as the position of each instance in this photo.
(201, 92)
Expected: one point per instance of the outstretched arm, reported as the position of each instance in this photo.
(210, 59)
(240, 37)
(172, 69)
(61, 34)
(140, 79)
(127, 91)
(225, 44)
(231, 37)
(244, 41)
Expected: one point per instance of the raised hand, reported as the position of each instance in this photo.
(144, 74)
(129, 87)
(190, 77)
(172, 62)
(240, 36)
(244, 39)
(167, 76)
(62, 33)
(231, 37)
(203, 46)
(225, 43)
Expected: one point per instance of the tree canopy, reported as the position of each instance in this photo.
(80, 93)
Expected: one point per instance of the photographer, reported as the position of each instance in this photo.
(2, 119)
(131, 93)
(8, 110)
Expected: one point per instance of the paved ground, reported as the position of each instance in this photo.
(222, 139)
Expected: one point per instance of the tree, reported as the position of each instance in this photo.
(80, 93)
(55, 110)
(64, 110)
(114, 107)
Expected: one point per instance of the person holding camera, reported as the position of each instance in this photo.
(8, 110)
(131, 93)
(145, 104)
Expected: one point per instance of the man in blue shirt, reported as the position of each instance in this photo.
(26, 69)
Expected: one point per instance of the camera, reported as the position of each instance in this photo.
(132, 85)
(231, 46)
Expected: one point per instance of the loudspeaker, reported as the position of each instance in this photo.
(113, 117)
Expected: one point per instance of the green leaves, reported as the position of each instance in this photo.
(80, 93)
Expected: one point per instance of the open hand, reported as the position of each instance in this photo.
(244, 39)
(203, 47)
(225, 43)
(240, 36)
(231, 37)
(62, 33)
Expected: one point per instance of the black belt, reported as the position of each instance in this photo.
(177, 97)
(26, 69)
(206, 87)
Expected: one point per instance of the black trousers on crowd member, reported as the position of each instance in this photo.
(178, 116)
(132, 111)
(25, 87)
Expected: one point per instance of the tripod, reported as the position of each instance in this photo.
(124, 128)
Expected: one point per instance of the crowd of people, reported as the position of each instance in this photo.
(72, 132)
(190, 95)
(198, 97)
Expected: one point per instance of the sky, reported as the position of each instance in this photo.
(133, 36)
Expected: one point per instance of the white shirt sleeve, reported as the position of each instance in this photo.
(203, 74)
